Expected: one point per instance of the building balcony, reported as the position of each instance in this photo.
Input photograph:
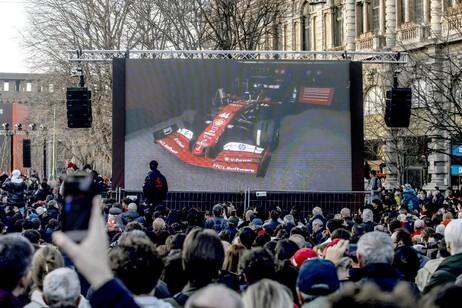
(452, 23)
(370, 41)
(411, 33)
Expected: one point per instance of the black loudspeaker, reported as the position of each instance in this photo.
(398, 107)
(26, 160)
(78, 101)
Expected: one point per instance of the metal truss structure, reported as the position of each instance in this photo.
(391, 57)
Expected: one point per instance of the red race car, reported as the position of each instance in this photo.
(241, 132)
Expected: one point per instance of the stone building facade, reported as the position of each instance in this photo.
(411, 26)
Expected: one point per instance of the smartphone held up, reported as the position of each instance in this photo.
(79, 190)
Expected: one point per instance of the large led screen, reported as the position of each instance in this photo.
(230, 125)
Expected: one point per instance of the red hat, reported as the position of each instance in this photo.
(333, 243)
(71, 164)
(302, 255)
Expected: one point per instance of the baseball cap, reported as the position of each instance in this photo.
(217, 208)
(233, 220)
(317, 277)
(257, 222)
(302, 255)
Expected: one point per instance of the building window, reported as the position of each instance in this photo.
(6, 86)
(416, 10)
(286, 38)
(306, 27)
(420, 94)
(338, 24)
(373, 101)
(359, 18)
(29, 87)
(375, 18)
(401, 12)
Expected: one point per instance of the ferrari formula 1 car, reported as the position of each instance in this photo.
(241, 132)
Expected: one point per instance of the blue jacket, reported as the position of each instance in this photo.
(410, 199)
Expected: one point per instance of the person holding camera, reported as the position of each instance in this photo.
(15, 187)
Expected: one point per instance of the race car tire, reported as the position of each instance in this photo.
(266, 134)
(263, 167)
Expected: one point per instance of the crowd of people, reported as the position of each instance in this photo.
(400, 250)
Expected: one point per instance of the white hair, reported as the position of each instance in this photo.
(368, 215)
(453, 236)
(375, 247)
(132, 207)
(345, 212)
(317, 211)
(215, 295)
(440, 229)
(61, 286)
(318, 222)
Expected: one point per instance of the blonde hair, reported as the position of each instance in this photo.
(267, 293)
(45, 260)
(232, 256)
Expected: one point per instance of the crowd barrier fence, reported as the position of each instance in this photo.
(330, 201)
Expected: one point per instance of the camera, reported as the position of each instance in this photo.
(79, 190)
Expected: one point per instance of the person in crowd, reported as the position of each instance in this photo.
(402, 237)
(137, 264)
(61, 288)
(273, 222)
(316, 279)
(256, 264)
(15, 263)
(374, 186)
(368, 220)
(410, 198)
(317, 231)
(203, 257)
(246, 237)
(451, 267)
(424, 274)
(317, 214)
(229, 274)
(16, 188)
(132, 214)
(375, 255)
(345, 214)
(155, 185)
(215, 296)
(267, 293)
(233, 223)
(42, 193)
(217, 222)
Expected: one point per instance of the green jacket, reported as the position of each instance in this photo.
(447, 272)
(179, 300)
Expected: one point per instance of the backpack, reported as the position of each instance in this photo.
(112, 224)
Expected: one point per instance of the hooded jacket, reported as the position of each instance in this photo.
(15, 187)
(410, 199)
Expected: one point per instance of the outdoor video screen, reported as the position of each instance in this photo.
(228, 125)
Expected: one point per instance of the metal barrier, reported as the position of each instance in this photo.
(304, 201)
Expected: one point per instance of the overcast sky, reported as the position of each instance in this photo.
(12, 18)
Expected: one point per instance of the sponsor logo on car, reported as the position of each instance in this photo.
(178, 141)
(241, 146)
(169, 148)
(186, 132)
(219, 122)
(238, 160)
(235, 169)
(168, 130)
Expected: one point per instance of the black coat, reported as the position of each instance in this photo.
(155, 187)
(15, 193)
